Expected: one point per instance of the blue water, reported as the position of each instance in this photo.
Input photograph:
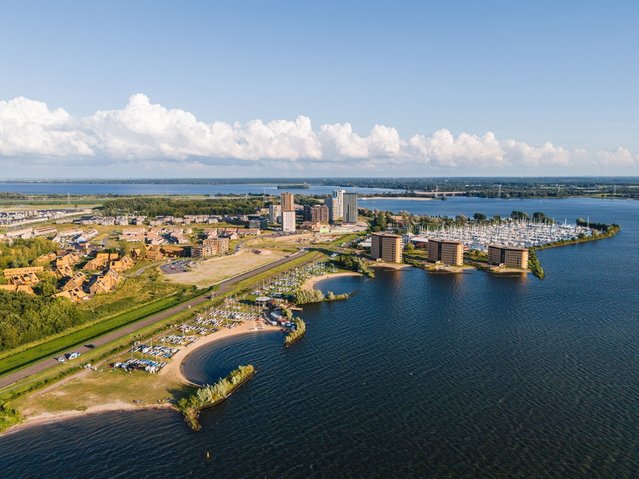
(38, 188)
(417, 375)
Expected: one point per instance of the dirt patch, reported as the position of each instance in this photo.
(211, 271)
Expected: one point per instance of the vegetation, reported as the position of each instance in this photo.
(209, 396)
(23, 251)
(25, 318)
(161, 206)
(353, 263)
(297, 333)
(74, 336)
(534, 265)
(308, 296)
(607, 231)
(8, 417)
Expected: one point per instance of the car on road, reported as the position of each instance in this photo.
(73, 355)
(90, 346)
(60, 359)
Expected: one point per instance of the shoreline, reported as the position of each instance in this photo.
(396, 266)
(404, 198)
(310, 283)
(173, 370)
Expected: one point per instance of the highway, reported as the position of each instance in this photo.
(225, 286)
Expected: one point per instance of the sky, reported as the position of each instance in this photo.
(333, 88)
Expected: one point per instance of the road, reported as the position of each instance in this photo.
(225, 286)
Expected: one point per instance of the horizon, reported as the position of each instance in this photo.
(256, 88)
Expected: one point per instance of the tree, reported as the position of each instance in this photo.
(518, 215)
(479, 217)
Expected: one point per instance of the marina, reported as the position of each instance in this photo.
(517, 233)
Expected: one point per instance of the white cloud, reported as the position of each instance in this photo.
(143, 133)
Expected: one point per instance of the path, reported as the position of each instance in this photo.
(225, 286)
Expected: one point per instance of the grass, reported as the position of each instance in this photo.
(106, 386)
(100, 353)
(103, 387)
(62, 370)
(82, 335)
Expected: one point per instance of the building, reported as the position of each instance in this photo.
(335, 204)
(350, 207)
(316, 214)
(288, 221)
(257, 222)
(23, 276)
(287, 201)
(446, 251)
(211, 247)
(510, 256)
(275, 214)
(105, 283)
(387, 247)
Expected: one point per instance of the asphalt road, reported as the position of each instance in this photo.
(225, 286)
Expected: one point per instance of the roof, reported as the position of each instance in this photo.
(512, 248)
(448, 241)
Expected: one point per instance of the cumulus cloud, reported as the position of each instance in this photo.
(143, 133)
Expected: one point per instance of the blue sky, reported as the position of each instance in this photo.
(528, 72)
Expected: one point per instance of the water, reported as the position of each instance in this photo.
(37, 188)
(417, 375)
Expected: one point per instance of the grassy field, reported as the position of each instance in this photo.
(82, 335)
(106, 386)
(102, 387)
(214, 270)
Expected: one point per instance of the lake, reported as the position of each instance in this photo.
(416, 375)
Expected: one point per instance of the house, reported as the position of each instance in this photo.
(16, 288)
(121, 264)
(105, 283)
(23, 276)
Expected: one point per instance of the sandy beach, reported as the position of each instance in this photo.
(311, 282)
(172, 371)
(390, 265)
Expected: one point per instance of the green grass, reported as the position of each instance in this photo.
(108, 350)
(82, 335)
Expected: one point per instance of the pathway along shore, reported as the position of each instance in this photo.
(172, 371)
(225, 286)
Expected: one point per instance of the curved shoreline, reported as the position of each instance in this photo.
(173, 369)
(310, 283)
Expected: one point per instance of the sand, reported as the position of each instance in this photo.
(311, 282)
(172, 371)
(390, 265)
(214, 270)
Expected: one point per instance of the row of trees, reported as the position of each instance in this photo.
(209, 396)
(25, 318)
(353, 263)
(180, 207)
